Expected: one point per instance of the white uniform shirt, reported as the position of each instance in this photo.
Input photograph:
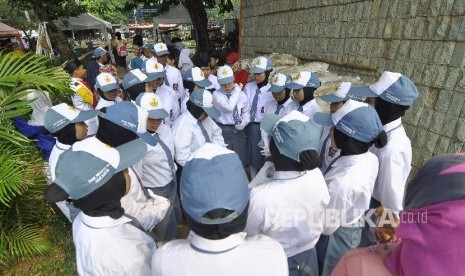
(170, 103)
(270, 108)
(324, 152)
(106, 246)
(83, 104)
(227, 105)
(155, 167)
(289, 209)
(309, 109)
(136, 204)
(173, 75)
(234, 255)
(57, 150)
(350, 180)
(188, 136)
(264, 98)
(214, 80)
(394, 166)
(184, 102)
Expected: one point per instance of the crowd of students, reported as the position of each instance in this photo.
(267, 183)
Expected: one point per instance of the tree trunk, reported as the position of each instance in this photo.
(199, 21)
(57, 38)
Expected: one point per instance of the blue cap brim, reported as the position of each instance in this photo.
(85, 115)
(324, 119)
(203, 83)
(148, 138)
(226, 80)
(269, 121)
(293, 85)
(130, 153)
(158, 113)
(212, 112)
(154, 76)
(162, 53)
(332, 98)
(276, 89)
(363, 91)
(257, 70)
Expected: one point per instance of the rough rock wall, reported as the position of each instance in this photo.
(423, 39)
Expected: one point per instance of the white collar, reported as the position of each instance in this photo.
(103, 222)
(216, 246)
(286, 103)
(191, 118)
(349, 160)
(392, 125)
(61, 146)
(309, 104)
(286, 175)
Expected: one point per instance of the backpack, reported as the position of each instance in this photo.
(122, 52)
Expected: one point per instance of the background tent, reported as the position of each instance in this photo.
(176, 14)
(84, 21)
(10, 33)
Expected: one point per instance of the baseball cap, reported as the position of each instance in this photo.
(337, 93)
(278, 82)
(260, 65)
(232, 57)
(293, 133)
(355, 119)
(195, 75)
(89, 164)
(147, 46)
(134, 77)
(161, 49)
(98, 52)
(304, 79)
(59, 116)
(225, 75)
(391, 87)
(153, 69)
(152, 103)
(106, 82)
(131, 117)
(204, 99)
(214, 179)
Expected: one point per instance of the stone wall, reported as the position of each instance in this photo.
(423, 39)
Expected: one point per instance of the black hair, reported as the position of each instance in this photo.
(194, 110)
(67, 135)
(188, 85)
(308, 95)
(351, 146)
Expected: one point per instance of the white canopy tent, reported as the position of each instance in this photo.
(85, 21)
(176, 14)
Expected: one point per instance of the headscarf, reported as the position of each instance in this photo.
(188, 85)
(389, 112)
(195, 111)
(113, 134)
(67, 135)
(265, 82)
(309, 160)
(135, 90)
(308, 95)
(351, 146)
(432, 225)
(288, 95)
(106, 200)
(219, 231)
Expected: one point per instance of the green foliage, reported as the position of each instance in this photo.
(22, 209)
(49, 9)
(111, 10)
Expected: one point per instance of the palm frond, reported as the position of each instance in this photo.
(22, 241)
